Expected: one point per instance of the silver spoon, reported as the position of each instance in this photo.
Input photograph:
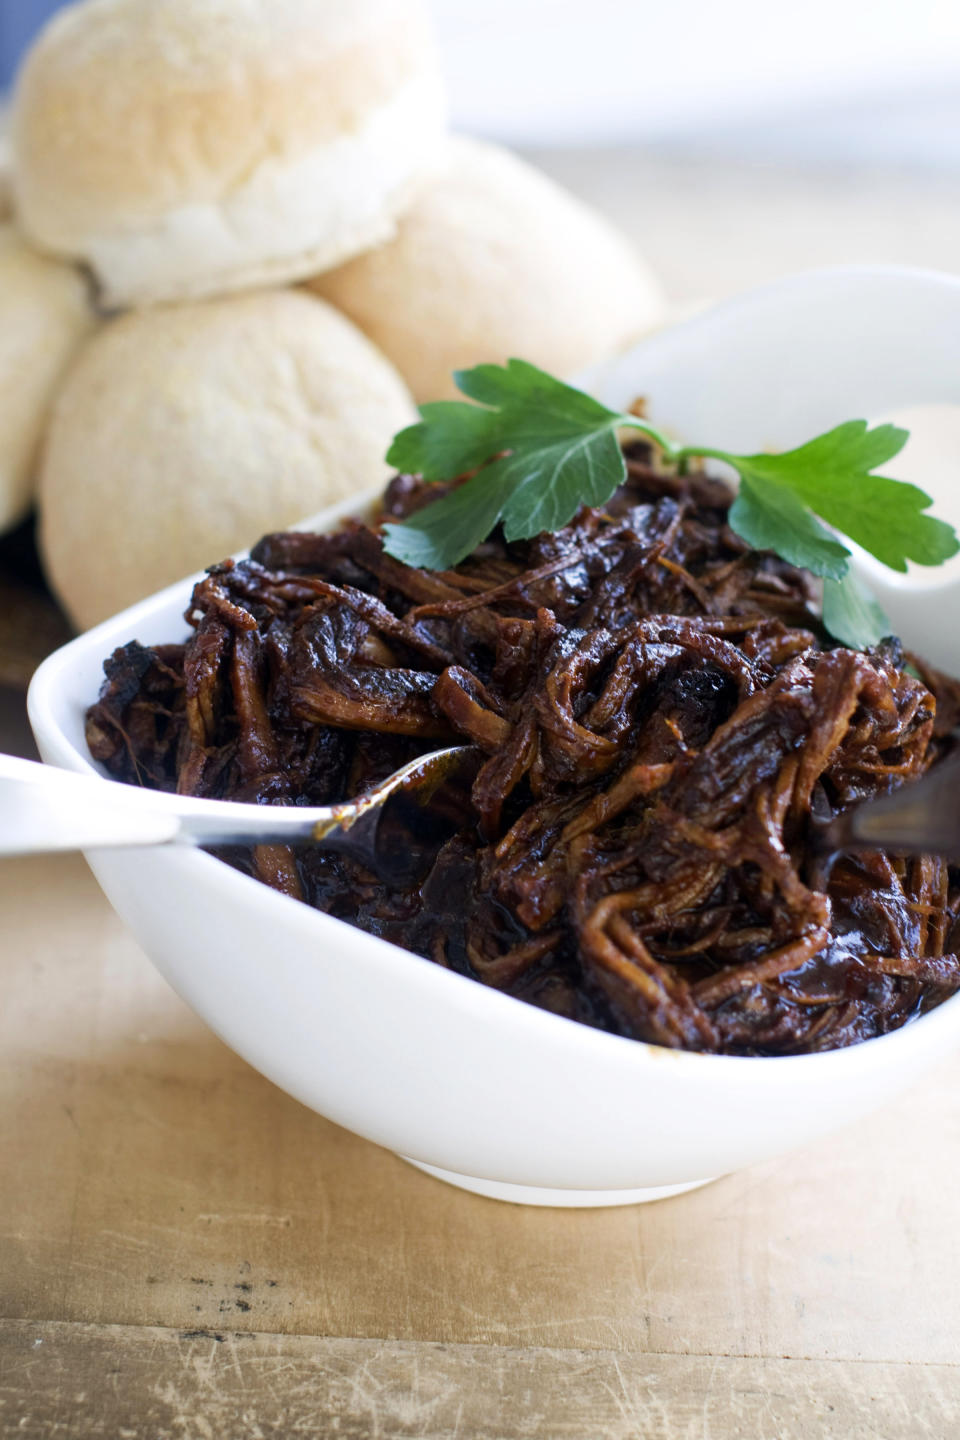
(44, 810)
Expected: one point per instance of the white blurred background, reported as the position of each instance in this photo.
(735, 141)
(824, 81)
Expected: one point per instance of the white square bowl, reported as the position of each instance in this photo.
(486, 1091)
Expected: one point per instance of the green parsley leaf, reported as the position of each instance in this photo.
(541, 449)
(831, 475)
(770, 517)
(851, 614)
(563, 453)
(452, 437)
(443, 533)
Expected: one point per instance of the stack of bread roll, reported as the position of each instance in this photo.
(242, 247)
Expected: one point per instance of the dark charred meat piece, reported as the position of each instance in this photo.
(660, 717)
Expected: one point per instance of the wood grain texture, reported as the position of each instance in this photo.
(149, 1177)
(90, 1381)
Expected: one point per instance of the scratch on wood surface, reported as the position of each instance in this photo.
(164, 1385)
(282, 1222)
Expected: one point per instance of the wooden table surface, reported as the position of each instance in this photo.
(187, 1252)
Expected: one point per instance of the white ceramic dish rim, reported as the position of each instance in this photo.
(47, 690)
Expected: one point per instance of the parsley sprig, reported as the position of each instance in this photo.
(542, 449)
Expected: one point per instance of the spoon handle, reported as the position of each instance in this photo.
(45, 810)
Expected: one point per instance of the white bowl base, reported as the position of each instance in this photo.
(572, 1199)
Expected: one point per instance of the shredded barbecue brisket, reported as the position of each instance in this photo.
(663, 719)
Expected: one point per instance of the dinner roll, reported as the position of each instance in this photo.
(195, 147)
(495, 260)
(44, 316)
(184, 433)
